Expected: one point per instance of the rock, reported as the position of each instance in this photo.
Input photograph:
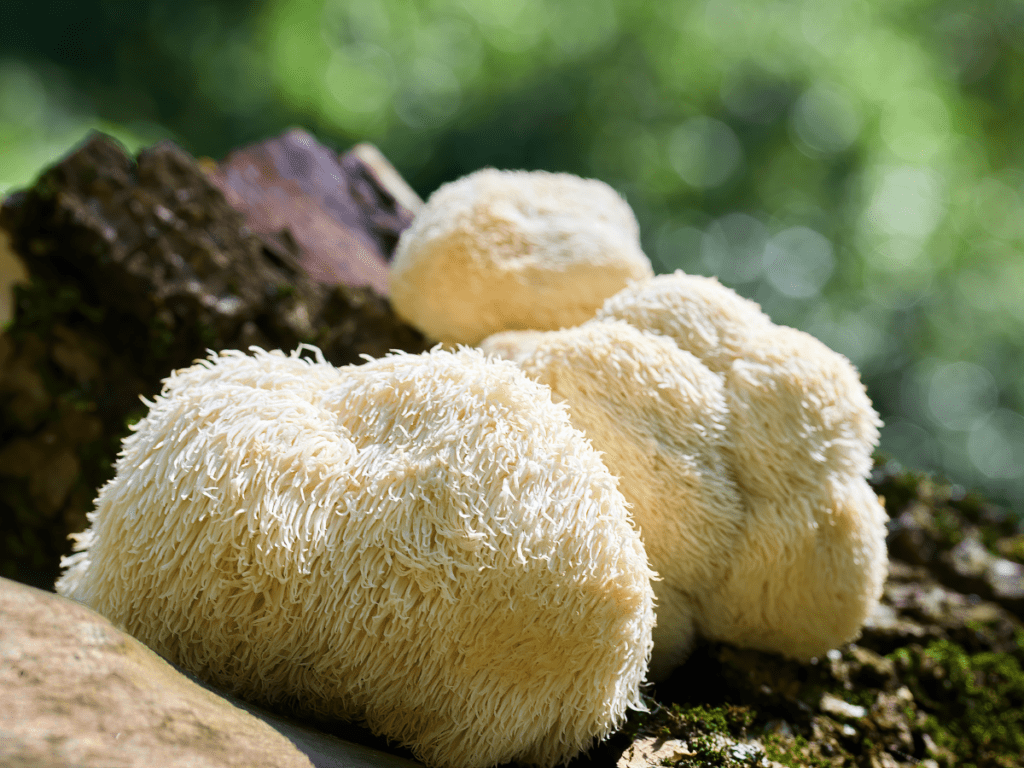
(1006, 578)
(913, 536)
(969, 558)
(872, 669)
(386, 175)
(650, 751)
(941, 529)
(972, 568)
(74, 690)
(833, 705)
(153, 245)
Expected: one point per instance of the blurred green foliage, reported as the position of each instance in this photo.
(854, 166)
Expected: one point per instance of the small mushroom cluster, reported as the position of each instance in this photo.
(466, 549)
(742, 447)
(501, 250)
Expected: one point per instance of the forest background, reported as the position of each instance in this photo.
(856, 167)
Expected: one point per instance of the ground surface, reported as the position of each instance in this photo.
(935, 679)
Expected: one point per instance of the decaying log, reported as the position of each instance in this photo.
(137, 267)
(345, 214)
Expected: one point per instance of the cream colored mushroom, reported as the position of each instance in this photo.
(422, 542)
(503, 250)
(660, 419)
(811, 561)
(700, 314)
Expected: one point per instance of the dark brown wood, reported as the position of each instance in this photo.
(138, 266)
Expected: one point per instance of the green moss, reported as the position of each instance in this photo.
(727, 719)
(40, 305)
(1013, 548)
(703, 729)
(949, 526)
(283, 290)
(974, 703)
(792, 753)
(134, 418)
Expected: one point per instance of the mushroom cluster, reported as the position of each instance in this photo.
(514, 249)
(466, 549)
(423, 543)
(743, 449)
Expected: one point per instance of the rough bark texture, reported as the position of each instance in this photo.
(137, 267)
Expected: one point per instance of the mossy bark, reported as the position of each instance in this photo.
(137, 267)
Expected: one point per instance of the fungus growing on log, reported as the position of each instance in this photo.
(501, 250)
(790, 429)
(423, 543)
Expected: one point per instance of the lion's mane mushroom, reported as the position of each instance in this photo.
(660, 418)
(811, 561)
(500, 250)
(772, 531)
(422, 542)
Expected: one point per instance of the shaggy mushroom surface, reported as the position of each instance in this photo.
(423, 542)
(500, 250)
(811, 562)
(659, 418)
(785, 441)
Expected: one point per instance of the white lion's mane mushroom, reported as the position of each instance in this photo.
(506, 250)
(660, 419)
(422, 542)
(811, 561)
